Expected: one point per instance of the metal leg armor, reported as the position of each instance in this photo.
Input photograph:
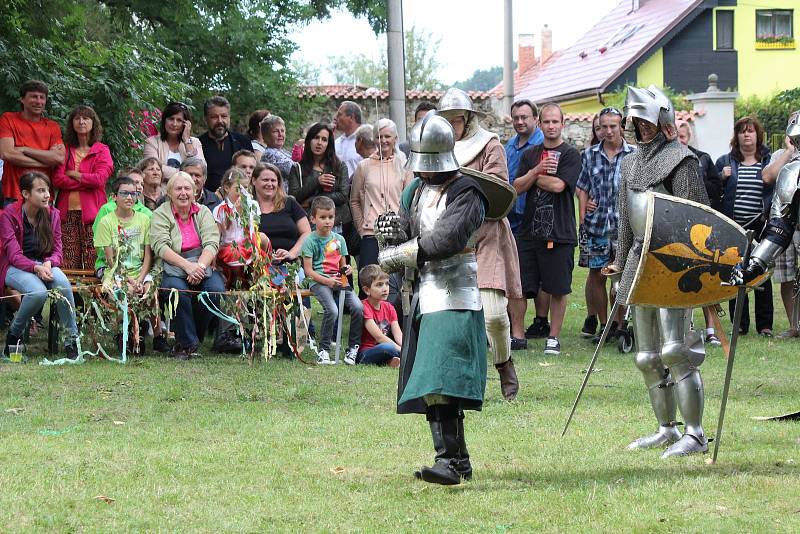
(683, 353)
(657, 378)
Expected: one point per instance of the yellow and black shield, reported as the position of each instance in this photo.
(689, 251)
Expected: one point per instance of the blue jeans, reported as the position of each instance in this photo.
(192, 317)
(378, 355)
(26, 282)
(328, 299)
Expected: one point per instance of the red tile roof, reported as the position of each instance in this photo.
(616, 42)
(360, 92)
(679, 115)
(523, 79)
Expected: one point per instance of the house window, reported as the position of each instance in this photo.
(774, 25)
(724, 30)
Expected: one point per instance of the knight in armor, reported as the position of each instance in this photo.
(443, 361)
(668, 353)
(496, 250)
(783, 217)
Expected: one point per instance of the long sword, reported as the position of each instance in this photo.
(603, 337)
(737, 320)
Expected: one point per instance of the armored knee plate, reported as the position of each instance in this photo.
(681, 357)
(660, 388)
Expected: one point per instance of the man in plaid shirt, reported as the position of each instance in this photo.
(597, 190)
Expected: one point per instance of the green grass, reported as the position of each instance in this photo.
(214, 445)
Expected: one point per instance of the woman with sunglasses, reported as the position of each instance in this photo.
(174, 143)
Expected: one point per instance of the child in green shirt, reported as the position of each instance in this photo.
(324, 263)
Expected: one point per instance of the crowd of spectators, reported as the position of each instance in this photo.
(316, 204)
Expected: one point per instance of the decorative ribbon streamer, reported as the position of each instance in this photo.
(203, 298)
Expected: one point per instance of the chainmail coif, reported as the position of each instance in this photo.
(650, 165)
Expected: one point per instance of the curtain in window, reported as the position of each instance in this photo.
(783, 23)
(763, 25)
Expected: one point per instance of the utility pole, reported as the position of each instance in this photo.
(397, 69)
(508, 56)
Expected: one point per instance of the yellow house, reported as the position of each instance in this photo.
(749, 44)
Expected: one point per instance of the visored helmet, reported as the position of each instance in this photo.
(642, 104)
(666, 114)
(650, 104)
(432, 141)
(793, 128)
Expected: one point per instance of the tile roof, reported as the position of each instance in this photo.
(361, 92)
(687, 116)
(523, 79)
(616, 42)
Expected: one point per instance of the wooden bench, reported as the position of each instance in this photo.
(77, 278)
(86, 277)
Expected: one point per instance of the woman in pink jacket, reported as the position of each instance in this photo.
(81, 184)
(30, 259)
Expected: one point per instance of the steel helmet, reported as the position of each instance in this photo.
(650, 105)
(793, 128)
(432, 141)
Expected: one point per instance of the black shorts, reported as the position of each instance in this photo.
(548, 269)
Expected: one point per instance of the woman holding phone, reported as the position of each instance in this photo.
(322, 173)
(175, 143)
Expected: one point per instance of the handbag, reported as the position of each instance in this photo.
(192, 255)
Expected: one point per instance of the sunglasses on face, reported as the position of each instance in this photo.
(130, 194)
(611, 110)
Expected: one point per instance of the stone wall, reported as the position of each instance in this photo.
(577, 132)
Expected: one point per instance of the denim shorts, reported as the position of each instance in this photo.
(596, 252)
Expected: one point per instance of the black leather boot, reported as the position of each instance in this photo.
(462, 465)
(443, 420)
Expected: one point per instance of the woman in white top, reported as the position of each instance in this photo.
(377, 185)
(175, 142)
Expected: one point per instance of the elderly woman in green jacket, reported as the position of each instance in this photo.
(185, 238)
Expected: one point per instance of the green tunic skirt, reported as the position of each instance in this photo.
(446, 356)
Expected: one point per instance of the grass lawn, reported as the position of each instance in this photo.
(214, 445)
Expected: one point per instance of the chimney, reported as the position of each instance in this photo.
(526, 52)
(547, 43)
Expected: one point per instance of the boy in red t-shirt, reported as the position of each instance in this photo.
(380, 321)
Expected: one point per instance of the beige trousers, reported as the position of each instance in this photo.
(498, 326)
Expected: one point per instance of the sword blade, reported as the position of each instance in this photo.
(600, 344)
(737, 320)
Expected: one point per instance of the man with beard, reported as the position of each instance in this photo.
(669, 353)
(525, 118)
(219, 143)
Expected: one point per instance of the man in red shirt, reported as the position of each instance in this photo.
(28, 140)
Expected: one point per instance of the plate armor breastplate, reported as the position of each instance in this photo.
(637, 209)
(450, 283)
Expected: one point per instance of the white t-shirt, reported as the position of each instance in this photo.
(346, 152)
(174, 159)
(234, 233)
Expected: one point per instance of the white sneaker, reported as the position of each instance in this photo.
(323, 358)
(552, 347)
(351, 354)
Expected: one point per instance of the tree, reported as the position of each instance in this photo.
(119, 77)
(482, 80)
(129, 56)
(239, 49)
(420, 64)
